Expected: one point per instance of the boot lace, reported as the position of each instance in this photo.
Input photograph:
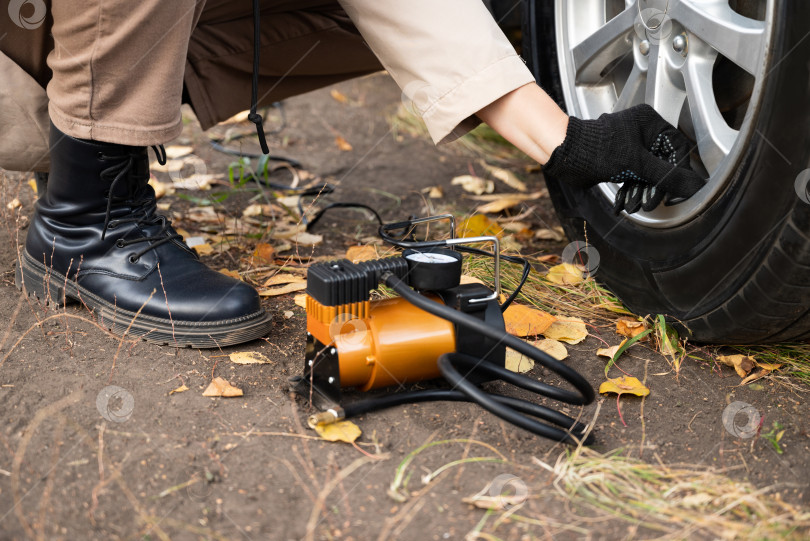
(143, 206)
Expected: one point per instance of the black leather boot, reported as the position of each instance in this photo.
(96, 238)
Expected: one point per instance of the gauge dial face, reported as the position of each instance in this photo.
(428, 257)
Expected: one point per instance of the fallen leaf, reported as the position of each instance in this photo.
(161, 188)
(611, 351)
(505, 202)
(300, 300)
(343, 144)
(178, 151)
(203, 249)
(755, 376)
(356, 254)
(521, 196)
(770, 367)
(257, 209)
(307, 239)
(435, 192)
(338, 96)
(565, 274)
(556, 234)
(32, 182)
(517, 362)
(264, 254)
(548, 258)
(505, 176)
(14, 204)
(340, 431)
(571, 330)
(524, 320)
(180, 389)
(630, 327)
(553, 347)
(742, 364)
(231, 273)
(221, 387)
(195, 181)
(288, 314)
(284, 278)
(473, 184)
(623, 385)
(248, 357)
(283, 290)
(478, 225)
(467, 279)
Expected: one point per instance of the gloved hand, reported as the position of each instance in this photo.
(634, 147)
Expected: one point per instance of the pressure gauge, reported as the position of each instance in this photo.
(433, 269)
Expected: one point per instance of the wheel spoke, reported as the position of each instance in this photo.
(633, 91)
(736, 37)
(608, 43)
(714, 136)
(662, 93)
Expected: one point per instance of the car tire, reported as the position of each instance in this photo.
(738, 271)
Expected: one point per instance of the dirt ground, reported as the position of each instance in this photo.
(183, 466)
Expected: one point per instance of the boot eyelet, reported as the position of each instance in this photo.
(120, 243)
(133, 259)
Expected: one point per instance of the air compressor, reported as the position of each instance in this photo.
(435, 327)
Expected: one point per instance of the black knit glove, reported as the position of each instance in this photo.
(634, 147)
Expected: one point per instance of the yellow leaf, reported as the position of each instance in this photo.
(567, 329)
(521, 196)
(553, 347)
(203, 249)
(630, 327)
(523, 320)
(248, 357)
(478, 225)
(284, 278)
(742, 364)
(338, 96)
(770, 367)
(356, 254)
(343, 144)
(505, 202)
(565, 274)
(231, 273)
(435, 192)
(301, 300)
(473, 184)
(264, 254)
(32, 182)
(283, 290)
(221, 387)
(340, 431)
(180, 389)
(517, 362)
(624, 384)
(611, 351)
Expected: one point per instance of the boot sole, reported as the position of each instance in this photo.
(54, 289)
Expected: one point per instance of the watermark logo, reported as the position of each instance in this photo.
(653, 25)
(28, 14)
(179, 168)
(741, 420)
(508, 491)
(582, 255)
(351, 329)
(802, 186)
(199, 483)
(115, 404)
(416, 97)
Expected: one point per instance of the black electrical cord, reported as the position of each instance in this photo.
(516, 411)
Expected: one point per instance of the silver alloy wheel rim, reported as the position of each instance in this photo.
(674, 76)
